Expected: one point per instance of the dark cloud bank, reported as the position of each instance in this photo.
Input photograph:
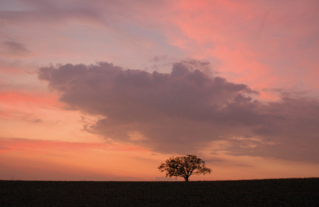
(183, 111)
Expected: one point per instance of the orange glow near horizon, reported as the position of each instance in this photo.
(92, 158)
(102, 161)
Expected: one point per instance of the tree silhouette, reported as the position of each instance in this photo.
(184, 166)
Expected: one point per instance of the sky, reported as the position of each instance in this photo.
(107, 90)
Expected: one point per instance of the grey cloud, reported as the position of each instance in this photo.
(162, 59)
(51, 15)
(186, 109)
(105, 12)
(54, 12)
(158, 58)
(38, 121)
(13, 48)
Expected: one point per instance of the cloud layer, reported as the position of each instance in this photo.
(183, 111)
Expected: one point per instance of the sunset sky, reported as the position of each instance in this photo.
(108, 89)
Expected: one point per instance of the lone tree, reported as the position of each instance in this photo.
(184, 166)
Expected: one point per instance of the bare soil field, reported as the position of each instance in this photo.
(272, 192)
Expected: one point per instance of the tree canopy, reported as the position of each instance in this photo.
(184, 166)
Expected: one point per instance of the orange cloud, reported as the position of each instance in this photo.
(40, 146)
(24, 105)
(18, 98)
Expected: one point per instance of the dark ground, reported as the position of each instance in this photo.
(275, 192)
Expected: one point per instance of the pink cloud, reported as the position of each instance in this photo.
(39, 99)
(253, 40)
(21, 105)
(42, 146)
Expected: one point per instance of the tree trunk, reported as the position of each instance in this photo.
(186, 179)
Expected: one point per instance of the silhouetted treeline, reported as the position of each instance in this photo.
(274, 192)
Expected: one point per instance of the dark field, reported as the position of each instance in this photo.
(277, 192)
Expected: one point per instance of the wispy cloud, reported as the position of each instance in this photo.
(10, 48)
(45, 146)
